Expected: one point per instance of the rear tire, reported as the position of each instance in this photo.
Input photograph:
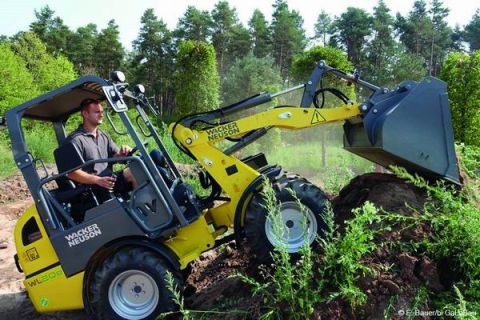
(302, 226)
(131, 284)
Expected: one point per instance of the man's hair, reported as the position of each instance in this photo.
(86, 102)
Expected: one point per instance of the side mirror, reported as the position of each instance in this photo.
(3, 121)
(117, 76)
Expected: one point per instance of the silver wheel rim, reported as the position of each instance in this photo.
(133, 294)
(296, 228)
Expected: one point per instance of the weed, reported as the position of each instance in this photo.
(287, 291)
(186, 313)
(390, 308)
(455, 220)
(342, 254)
(418, 302)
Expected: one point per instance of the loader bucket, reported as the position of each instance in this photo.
(409, 127)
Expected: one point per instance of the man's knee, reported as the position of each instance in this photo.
(127, 173)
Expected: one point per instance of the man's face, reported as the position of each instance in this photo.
(93, 114)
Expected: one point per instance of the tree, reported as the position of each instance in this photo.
(462, 73)
(416, 30)
(288, 36)
(352, 28)
(457, 38)
(380, 49)
(194, 25)
(403, 65)
(240, 44)
(82, 48)
(109, 51)
(196, 78)
(260, 34)
(323, 26)
(16, 82)
(251, 75)
(224, 20)
(153, 55)
(305, 63)
(441, 36)
(472, 32)
(51, 30)
(48, 71)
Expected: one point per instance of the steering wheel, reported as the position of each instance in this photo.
(135, 149)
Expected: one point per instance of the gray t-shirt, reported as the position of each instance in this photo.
(92, 148)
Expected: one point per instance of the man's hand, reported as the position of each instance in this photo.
(124, 150)
(105, 182)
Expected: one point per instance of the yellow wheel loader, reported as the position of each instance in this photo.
(111, 257)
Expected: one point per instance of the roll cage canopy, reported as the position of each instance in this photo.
(59, 104)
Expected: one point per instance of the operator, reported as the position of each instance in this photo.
(94, 144)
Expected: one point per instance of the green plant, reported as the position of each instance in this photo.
(417, 302)
(455, 220)
(287, 290)
(342, 254)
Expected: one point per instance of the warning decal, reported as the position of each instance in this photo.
(317, 117)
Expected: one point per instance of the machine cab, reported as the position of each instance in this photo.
(69, 214)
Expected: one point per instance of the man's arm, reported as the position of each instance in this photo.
(83, 177)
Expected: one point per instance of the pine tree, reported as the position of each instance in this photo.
(441, 39)
(51, 30)
(82, 49)
(194, 25)
(224, 20)
(109, 52)
(153, 54)
(288, 36)
(251, 75)
(352, 29)
(323, 27)
(380, 49)
(472, 32)
(260, 34)
(457, 38)
(416, 30)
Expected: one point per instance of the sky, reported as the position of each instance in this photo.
(16, 15)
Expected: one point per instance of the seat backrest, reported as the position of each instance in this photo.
(67, 157)
(80, 197)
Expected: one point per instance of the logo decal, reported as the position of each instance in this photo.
(226, 130)
(44, 278)
(83, 235)
(317, 117)
(44, 302)
(32, 254)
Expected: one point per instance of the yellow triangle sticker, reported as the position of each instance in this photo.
(317, 117)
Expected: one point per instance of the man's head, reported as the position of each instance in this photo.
(92, 112)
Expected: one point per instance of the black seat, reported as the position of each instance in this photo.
(79, 197)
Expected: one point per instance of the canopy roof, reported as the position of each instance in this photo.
(60, 103)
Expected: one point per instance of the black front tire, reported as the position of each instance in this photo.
(257, 226)
(132, 284)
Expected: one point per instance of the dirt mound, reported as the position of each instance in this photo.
(384, 190)
(398, 275)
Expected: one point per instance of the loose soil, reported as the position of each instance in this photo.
(210, 284)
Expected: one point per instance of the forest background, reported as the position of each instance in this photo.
(211, 59)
